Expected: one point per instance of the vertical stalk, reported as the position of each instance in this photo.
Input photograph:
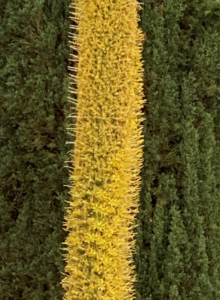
(107, 154)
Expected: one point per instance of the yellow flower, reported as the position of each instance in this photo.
(107, 146)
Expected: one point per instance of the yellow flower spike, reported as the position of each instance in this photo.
(107, 154)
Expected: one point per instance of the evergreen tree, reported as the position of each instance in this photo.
(206, 62)
(178, 252)
(33, 86)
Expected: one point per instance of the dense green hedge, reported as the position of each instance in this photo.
(178, 248)
(33, 104)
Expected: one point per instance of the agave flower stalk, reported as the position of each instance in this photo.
(107, 154)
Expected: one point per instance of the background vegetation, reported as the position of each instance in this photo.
(178, 249)
(33, 86)
(178, 238)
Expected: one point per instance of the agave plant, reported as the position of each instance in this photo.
(107, 154)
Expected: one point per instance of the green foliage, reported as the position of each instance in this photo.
(178, 250)
(33, 86)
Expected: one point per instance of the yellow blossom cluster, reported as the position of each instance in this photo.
(107, 154)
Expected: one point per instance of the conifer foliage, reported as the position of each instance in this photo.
(178, 249)
(33, 86)
(107, 154)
